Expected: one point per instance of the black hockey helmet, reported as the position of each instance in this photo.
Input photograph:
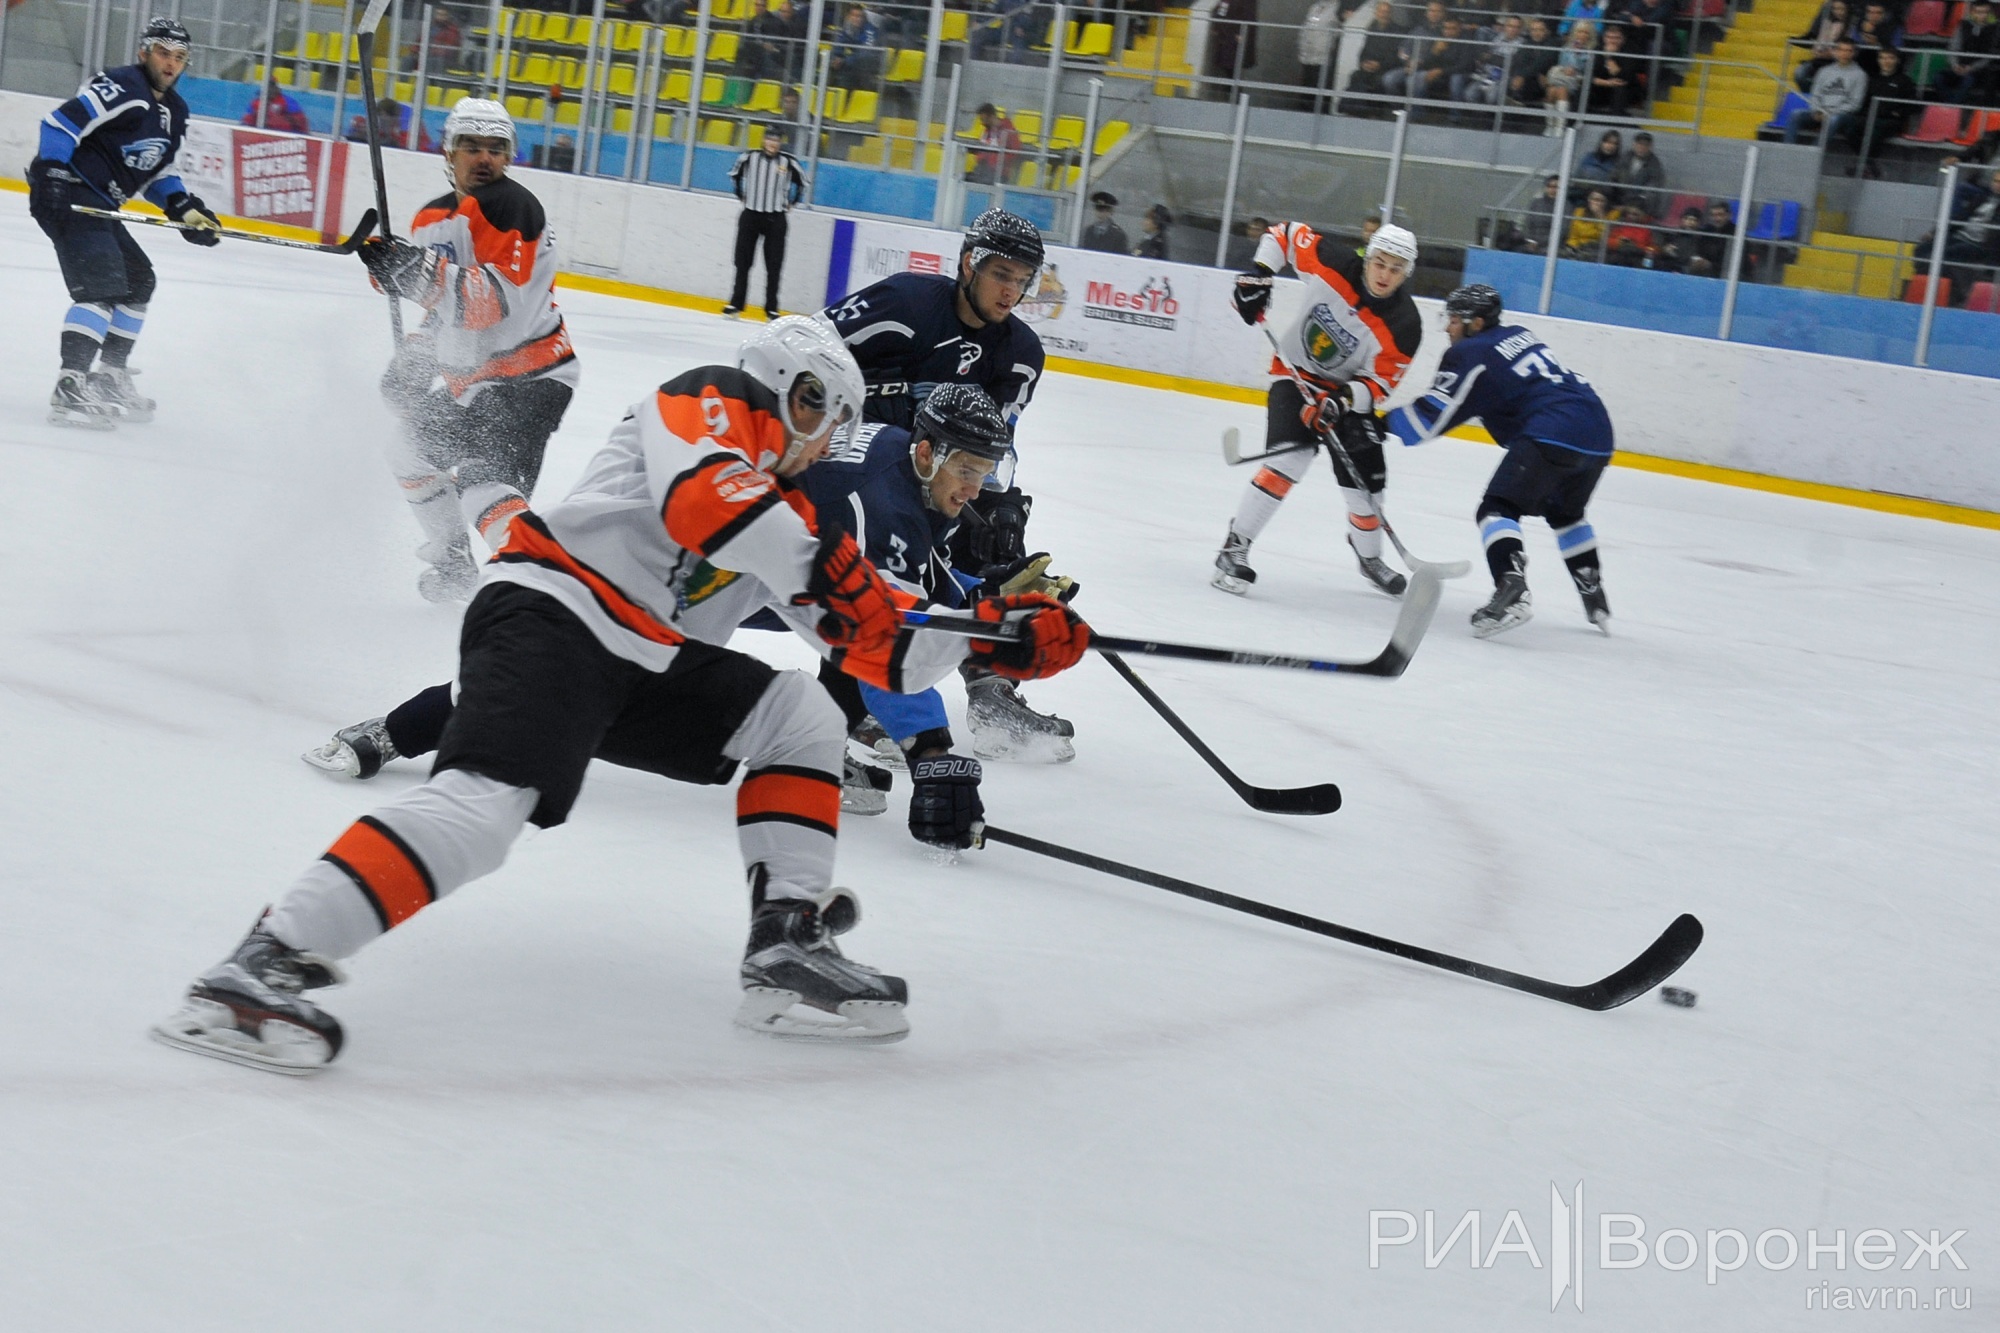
(963, 418)
(1008, 235)
(165, 32)
(1475, 300)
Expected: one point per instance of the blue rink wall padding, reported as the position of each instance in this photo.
(1862, 327)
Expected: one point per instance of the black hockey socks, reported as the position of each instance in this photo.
(79, 350)
(1505, 552)
(117, 350)
(416, 725)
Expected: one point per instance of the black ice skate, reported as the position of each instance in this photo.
(76, 403)
(1511, 606)
(797, 983)
(248, 1009)
(1378, 573)
(877, 744)
(1232, 564)
(1590, 587)
(358, 751)
(1004, 727)
(113, 384)
(864, 788)
(452, 576)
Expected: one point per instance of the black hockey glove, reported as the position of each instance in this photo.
(52, 188)
(944, 806)
(399, 268)
(1253, 294)
(1028, 574)
(1002, 537)
(191, 212)
(1361, 436)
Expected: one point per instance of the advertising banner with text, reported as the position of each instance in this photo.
(281, 178)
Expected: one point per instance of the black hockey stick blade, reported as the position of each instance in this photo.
(1232, 449)
(1420, 602)
(1659, 961)
(346, 247)
(1322, 799)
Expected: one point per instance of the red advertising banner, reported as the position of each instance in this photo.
(287, 179)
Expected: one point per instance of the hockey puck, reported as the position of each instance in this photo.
(1680, 999)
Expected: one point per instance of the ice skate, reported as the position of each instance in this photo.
(1511, 606)
(877, 744)
(1595, 604)
(1004, 727)
(358, 751)
(77, 404)
(798, 984)
(1378, 573)
(452, 576)
(1232, 565)
(732, 310)
(113, 384)
(248, 1009)
(864, 788)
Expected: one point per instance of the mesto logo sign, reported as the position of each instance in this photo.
(1152, 306)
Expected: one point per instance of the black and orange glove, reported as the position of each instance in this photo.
(399, 268)
(1053, 639)
(1323, 407)
(861, 613)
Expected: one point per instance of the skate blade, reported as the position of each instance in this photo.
(89, 421)
(1000, 745)
(335, 757)
(862, 801)
(779, 1013)
(1230, 583)
(1515, 616)
(885, 753)
(278, 1047)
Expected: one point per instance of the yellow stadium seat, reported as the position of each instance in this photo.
(678, 44)
(663, 125)
(539, 70)
(405, 90)
(861, 107)
(908, 67)
(621, 120)
(1071, 175)
(1095, 42)
(528, 24)
(628, 36)
(1030, 177)
(678, 84)
(624, 81)
(569, 113)
(896, 128)
(714, 89)
(719, 133)
(284, 75)
(569, 72)
(555, 28)
(316, 45)
(517, 106)
(1029, 125)
(580, 30)
(869, 152)
(953, 29)
(763, 96)
(834, 102)
(1068, 132)
(722, 48)
(1109, 133)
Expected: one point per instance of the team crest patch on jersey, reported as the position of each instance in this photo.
(145, 155)
(703, 582)
(968, 356)
(737, 487)
(1327, 341)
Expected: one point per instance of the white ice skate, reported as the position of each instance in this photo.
(248, 1009)
(452, 576)
(113, 384)
(1511, 605)
(1004, 727)
(797, 984)
(877, 744)
(358, 751)
(1232, 565)
(864, 788)
(75, 403)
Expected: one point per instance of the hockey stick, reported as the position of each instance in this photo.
(371, 19)
(346, 247)
(1453, 569)
(1232, 449)
(1420, 603)
(1660, 960)
(1323, 799)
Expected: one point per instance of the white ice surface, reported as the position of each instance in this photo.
(1117, 1109)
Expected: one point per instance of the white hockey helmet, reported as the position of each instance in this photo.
(480, 117)
(1390, 239)
(805, 347)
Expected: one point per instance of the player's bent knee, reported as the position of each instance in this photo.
(140, 283)
(794, 722)
(1494, 507)
(460, 824)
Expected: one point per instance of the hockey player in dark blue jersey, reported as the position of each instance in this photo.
(1558, 440)
(114, 140)
(914, 331)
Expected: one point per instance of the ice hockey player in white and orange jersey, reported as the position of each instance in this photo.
(484, 381)
(1350, 341)
(597, 633)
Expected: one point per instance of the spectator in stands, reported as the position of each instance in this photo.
(1540, 217)
(1232, 45)
(1564, 81)
(1486, 84)
(1640, 174)
(1599, 166)
(1000, 147)
(280, 111)
(1418, 40)
(1589, 227)
(1837, 94)
(995, 25)
(1631, 243)
(557, 156)
(1532, 63)
(1832, 24)
(392, 127)
(1581, 11)
(1973, 70)
(1436, 61)
(1680, 250)
(446, 40)
(1718, 232)
(775, 44)
(1646, 23)
(790, 121)
(1889, 107)
(1877, 29)
(1381, 53)
(1973, 238)
(1153, 243)
(857, 51)
(1104, 233)
(1316, 37)
(1617, 81)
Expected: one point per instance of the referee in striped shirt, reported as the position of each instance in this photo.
(768, 183)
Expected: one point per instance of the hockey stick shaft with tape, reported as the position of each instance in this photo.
(362, 230)
(371, 19)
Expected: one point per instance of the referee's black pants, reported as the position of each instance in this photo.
(770, 226)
